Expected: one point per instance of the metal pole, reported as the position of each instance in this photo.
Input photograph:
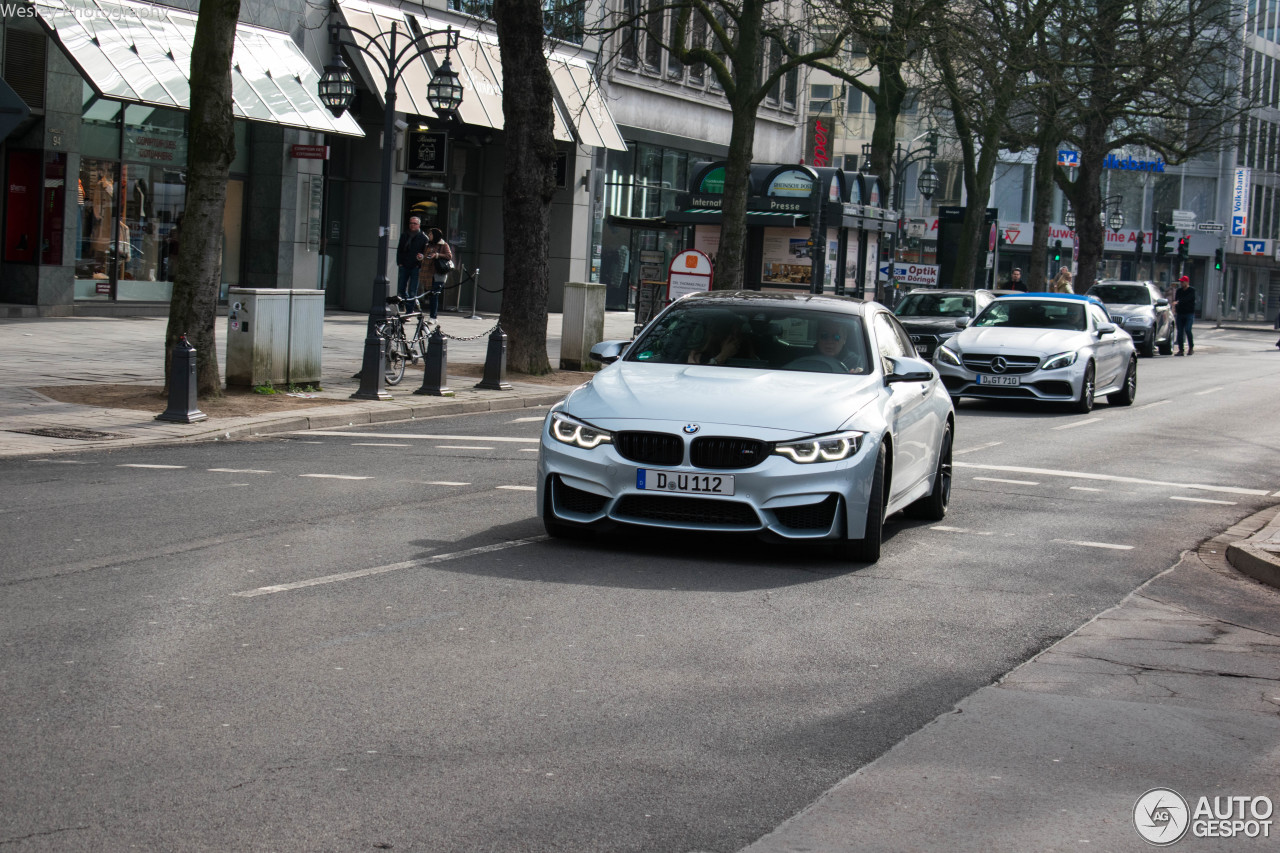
(475, 293)
(371, 366)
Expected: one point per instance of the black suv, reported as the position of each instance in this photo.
(929, 316)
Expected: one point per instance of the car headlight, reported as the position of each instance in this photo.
(827, 448)
(1064, 359)
(569, 431)
(947, 355)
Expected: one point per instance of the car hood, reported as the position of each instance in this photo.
(1119, 310)
(793, 403)
(996, 338)
(929, 325)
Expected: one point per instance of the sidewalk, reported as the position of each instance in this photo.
(55, 351)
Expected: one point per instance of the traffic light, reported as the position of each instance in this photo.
(1164, 239)
(1184, 247)
(1217, 259)
(1057, 251)
(1137, 248)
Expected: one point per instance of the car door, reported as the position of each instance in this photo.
(1109, 349)
(912, 422)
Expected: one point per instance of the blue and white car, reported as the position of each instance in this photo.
(1060, 348)
(814, 423)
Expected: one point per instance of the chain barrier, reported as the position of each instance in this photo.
(483, 334)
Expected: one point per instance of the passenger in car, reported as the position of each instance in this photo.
(724, 340)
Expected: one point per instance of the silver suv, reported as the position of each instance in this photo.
(1140, 309)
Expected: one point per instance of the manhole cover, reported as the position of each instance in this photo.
(68, 432)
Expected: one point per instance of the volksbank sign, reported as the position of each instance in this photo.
(1072, 158)
(1132, 165)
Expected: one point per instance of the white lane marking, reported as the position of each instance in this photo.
(1209, 391)
(1201, 500)
(1014, 482)
(520, 488)
(1110, 478)
(461, 447)
(142, 465)
(445, 483)
(377, 444)
(1085, 489)
(974, 449)
(528, 450)
(539, 419)
(416, 436)
(240, 471)
(945, 529)
(391, 567)
(1152, 405)
(1078, 424)
(1109, 546)
(335, 476)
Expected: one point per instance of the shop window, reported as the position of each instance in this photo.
(96, 249)
(54, 204)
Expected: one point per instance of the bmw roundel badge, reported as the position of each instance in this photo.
(691, 428)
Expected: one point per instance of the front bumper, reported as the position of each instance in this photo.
(1061, 384)
(776, 498)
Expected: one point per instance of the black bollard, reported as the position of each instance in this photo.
(495, 363)
(182, 386)
(435, 367)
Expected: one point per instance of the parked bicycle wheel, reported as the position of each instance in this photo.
(397, 352)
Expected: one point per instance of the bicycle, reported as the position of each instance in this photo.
(399, 348)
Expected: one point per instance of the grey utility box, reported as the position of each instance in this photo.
(274, 336)
(583, 325)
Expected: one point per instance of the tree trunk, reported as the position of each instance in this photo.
(528, 183)
(730, 268)
(211, 148)
(1042, 213)
(1085, 195)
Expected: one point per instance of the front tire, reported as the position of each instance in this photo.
(1149, 346)
(867, 549)
(933, 507)
(1084, 403)
(1129, 391)
(395, 363)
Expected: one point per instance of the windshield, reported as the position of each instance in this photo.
(768, 337)
(1029, 314)
(935, 305)
(1122, 294)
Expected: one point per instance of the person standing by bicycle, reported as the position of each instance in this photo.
(438, 263)
(409, 251)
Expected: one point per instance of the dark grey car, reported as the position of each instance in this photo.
(929, 316)
(1140, 309)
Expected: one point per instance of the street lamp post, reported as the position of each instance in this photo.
(337, 90)
(927, 184)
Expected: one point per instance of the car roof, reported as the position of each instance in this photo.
(1067, 297)
(798, 299)
(947, 291)
(1120, 281)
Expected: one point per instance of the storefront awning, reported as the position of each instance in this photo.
(580, 112)
(773, 219)
(139, 52)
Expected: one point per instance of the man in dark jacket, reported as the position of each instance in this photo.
(409, 258)
(1184, 313)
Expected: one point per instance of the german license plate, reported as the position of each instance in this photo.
(684, 483)
(984, 379)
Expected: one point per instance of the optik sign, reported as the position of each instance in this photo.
(1240, 204)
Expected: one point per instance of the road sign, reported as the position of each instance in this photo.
(1183, 219)
(1211, 226)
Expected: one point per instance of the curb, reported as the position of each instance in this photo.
(1252, 553)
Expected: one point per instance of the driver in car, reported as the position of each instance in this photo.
(833, 342)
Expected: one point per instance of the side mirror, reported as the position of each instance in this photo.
(963, 322)
(907, 370)
(607, 352)
(1162, 302)
(1106, 329)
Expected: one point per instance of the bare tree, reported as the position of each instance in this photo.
(211, 148)
(1153, 74)
(528, 182)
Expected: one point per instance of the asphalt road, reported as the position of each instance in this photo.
(361, 640)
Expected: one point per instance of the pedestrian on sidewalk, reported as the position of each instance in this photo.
(1015, 281)
(409, 251)
(1184, 312)
(439, 261)
(1062, 282)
